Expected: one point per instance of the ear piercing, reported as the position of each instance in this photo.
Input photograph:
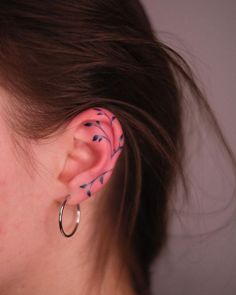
(97, 137)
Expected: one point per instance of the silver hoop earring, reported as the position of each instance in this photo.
(61, 215)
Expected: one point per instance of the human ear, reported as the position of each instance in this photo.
(96, 145)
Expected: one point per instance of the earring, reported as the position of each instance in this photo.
(61, 215)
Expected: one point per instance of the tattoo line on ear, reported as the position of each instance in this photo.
(99, 137)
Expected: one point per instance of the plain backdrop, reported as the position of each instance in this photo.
(200, 257)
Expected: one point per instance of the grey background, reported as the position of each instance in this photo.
(200, 258)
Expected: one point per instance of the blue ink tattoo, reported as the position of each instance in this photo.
(99, 137)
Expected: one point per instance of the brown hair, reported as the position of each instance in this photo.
(59, 58)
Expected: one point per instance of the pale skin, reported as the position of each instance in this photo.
(34, 256)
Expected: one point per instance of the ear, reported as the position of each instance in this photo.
(97, 140)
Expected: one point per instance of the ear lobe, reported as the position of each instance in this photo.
(98, 142)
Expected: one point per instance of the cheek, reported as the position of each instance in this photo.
(1, 229)
(17, 239)
(13, 226)
(15, 232)
(19, 215)
(13, 198)
(9, 207)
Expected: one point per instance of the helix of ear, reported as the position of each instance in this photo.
(99, 136)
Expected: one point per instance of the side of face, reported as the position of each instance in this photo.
(22, 209)
(79, 162)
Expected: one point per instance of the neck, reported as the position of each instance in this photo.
(64, 266)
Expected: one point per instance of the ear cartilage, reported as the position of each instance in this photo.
(89, 185)
(99, 137)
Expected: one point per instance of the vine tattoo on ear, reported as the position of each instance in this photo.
(99, 137)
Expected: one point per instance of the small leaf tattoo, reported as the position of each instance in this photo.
(97, 109)
(98, 137)
(89, 193)
(88, 124)
(95, 137)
